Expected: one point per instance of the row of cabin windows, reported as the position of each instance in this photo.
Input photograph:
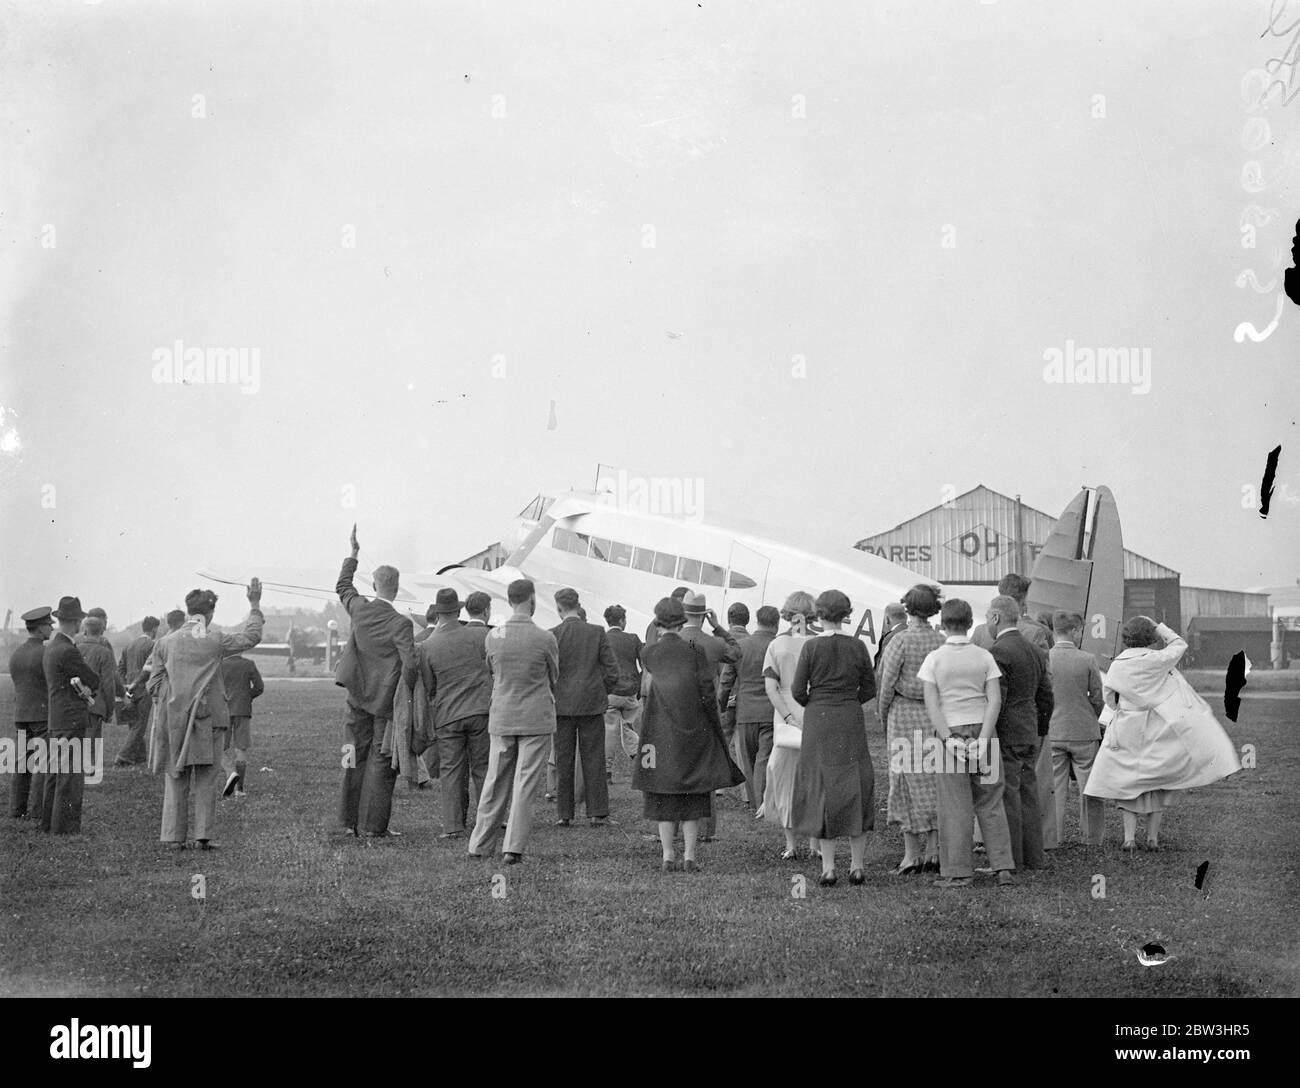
(691, 571)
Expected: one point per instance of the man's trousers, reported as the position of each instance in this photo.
(64, 786)
(754, 740)
(26, 787)
(516, 769)
(621, 715)
(965, 799)
(1092, 813)
(583, 735)
(1020, 800)
(135, 749)
(1046, 795)
(366, 801)
(462, 767)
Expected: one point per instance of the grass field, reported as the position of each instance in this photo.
(294, 908)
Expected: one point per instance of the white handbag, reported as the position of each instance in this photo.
(788, 734)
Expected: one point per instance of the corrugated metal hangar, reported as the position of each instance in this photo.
(977, 537)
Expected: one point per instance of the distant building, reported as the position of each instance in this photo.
(974, 539)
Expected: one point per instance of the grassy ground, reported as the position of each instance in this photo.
(293, 908)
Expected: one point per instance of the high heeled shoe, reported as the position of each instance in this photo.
(828, 880)
(857, 876)
(930, 865)
(908, 870)
(1129, 847)
(788, 855)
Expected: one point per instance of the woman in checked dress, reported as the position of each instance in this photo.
(913, 794)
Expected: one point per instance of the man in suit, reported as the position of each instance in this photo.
(588, 674)
(1016, 586)
(98, 653)
(458, 686)
(738, 625)
(524, 661)
(192, 714)
(243, 684)
(1025, 716)
(135, 711)
(380, 655)
(1075, 735)
(719, 648)
(753, 707)
(895, 621)
(66, 671)
(31, 710)
(624, 701)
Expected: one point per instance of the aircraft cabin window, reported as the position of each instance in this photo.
(665, 565)
(643, 559)
(600, 549)
(688, 570)
(620, 554)
(739, 581)
(712, 575)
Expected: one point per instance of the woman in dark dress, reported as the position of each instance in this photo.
(683, 754)
(834, 784)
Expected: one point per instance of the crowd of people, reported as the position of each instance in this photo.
(185, 700)
(985, 729)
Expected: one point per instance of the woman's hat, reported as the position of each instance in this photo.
(669, 613)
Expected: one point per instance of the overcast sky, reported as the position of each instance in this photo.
(815, 255)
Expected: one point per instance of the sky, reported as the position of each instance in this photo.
(816, 257)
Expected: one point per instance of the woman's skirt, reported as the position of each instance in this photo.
(834, 782)
(675, 807)
(913, 795)
(778, 792)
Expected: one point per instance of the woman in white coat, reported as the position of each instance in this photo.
(787, 717)
(1163, 736)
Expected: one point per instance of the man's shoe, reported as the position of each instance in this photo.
(954, 882)
(231, 783)
(670, 867)
(207, 844)
(452, 835)
(563, 823)
(598, 821)
(239, 792)
(512, 859)
(690, 867)
(1005, 879)
(471, 856)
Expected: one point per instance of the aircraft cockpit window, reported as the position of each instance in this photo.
(643, 559)
(600, 549)
(620, 554)
(688, 571)
(665, 565)
(712, 575)
(739, 581)
(530, 512)
(547, 503)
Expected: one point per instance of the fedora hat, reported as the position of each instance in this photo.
(69, 609)
(694, 603)
(446, 602)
